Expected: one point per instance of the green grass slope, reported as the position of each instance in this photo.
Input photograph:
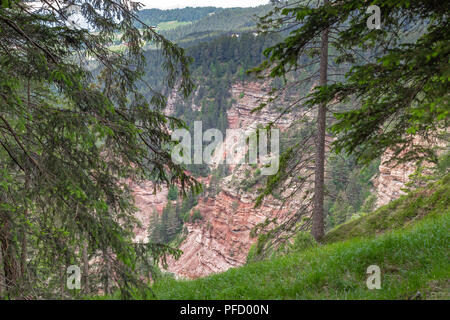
(434, 199)
(408, 239)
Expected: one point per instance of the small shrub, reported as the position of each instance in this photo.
(302, 241)
(196, 216)
(173, 193)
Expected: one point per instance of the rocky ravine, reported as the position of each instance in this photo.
(221, 240)
(391, 179)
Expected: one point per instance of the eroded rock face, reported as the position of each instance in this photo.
(147, 199)
(248, 96)
(391, 179)
(220, 240)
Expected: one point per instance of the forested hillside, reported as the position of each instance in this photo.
(219, 22)
(153, 17)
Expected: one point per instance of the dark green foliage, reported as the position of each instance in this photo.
(173, 193)
(196, 216)
(238, 54)
(222, 21)
(400, 87)
(166, 227)
(188, 203)
(69, 138)
(348, 186)
(153, 17)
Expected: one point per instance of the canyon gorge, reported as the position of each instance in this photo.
(222, 238)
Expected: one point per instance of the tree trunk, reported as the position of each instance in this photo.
(318, 228)
(2, 276)
(61, 280)
(24, 246)
(23, 258)
(86, 268)
(107, 275)
(10, 263)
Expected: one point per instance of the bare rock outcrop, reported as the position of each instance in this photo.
(391, 179)
(147, 199)
(221, 240)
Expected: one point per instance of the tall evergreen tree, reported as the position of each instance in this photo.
(396, 89)
(318, 225)
(73, 126)
(285, 59)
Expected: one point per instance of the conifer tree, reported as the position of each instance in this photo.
(73, 127)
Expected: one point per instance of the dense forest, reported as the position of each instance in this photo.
(86, 116)
(153, 17)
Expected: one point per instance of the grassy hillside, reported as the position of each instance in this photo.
(413, 257)
(169, 25)
(156, 16)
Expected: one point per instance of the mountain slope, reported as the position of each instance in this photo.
(412, 258)
(221, 21)
(432, 200)
(188, 14)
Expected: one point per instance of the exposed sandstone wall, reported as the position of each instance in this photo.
(175, 96)
(147, 199)
(391, 179)
(222, 239)
(248, 96)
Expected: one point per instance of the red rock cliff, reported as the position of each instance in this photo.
(220, 240)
